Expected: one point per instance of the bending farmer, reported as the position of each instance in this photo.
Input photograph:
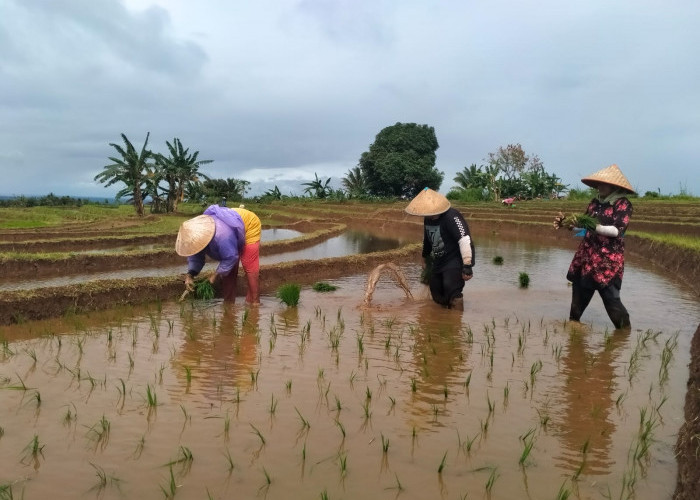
(599, 262)
(447, 242)
(219, 233)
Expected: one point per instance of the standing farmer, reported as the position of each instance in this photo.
(221, 234)
(599, 262)
(447, 241)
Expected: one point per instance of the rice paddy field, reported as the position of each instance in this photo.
(340, 396)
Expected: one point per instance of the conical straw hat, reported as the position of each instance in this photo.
(609, 175)
(194, 235)
(428, 202)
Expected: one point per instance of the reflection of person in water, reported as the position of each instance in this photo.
(225, 357)
(588, 395)
(438, 353)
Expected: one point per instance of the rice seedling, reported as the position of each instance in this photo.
(582, 465)
(188, 374)
(33, 450)
(139, 447)
(491, 480)
(524, 280)
(289, 294)
(268, 478)
(170, 488)
(6, 492)
(343, 459)
(366, 410)
(304, 423)
(288, 386)
(230, 465)
(528, 440)
(324, 495)
(498, 260)
(414, 383)
(321, 286)
(564, 493)
(534, 370)
(103, 478)
(99, 433)
(442, 463)
(151, 396)
(385, 444)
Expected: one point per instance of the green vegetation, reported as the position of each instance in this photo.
(498, 260)
(524, 280)
(289, 294)
(204, 290)
(321, 286)
(401, 161)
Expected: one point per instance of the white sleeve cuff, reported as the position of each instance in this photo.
(466, 250)
(611, 231)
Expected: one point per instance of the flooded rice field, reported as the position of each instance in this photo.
(331, 399)
(348, 243)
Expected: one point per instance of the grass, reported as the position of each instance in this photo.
(289, 294)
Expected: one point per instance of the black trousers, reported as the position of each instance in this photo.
(581, 296)
(446, 285)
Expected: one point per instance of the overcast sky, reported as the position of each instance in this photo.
(276, 90)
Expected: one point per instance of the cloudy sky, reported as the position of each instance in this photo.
(275, 91)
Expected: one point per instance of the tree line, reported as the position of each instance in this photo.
(398, 164)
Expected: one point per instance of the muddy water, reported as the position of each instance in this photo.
(348, 243)
(357, 403)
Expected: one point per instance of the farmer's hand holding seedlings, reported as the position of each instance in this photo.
(189, 282)
(583, 221)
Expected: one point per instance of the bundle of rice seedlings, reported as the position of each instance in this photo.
(524, 280)
(204, 290)
(584, 221)
(289, 294)
(427, 271)
(498, 260)
(321, 286)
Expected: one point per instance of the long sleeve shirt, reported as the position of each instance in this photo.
(225, 245)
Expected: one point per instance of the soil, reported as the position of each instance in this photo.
(688, 444)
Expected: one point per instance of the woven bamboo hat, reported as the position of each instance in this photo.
(609, 175)
(194, 235)
(428, 202)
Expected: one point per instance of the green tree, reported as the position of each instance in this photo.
(401, 161)
(179, 169)
(354, 183)
(229, 188)
(131, 169)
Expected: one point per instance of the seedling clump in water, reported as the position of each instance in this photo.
(322, 286)
(289, 294)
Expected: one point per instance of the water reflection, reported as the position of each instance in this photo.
(587, 399)
(220, 352)
(349, 243)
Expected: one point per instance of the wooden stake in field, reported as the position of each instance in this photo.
(393, 271)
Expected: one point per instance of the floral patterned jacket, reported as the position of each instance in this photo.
(600, 260)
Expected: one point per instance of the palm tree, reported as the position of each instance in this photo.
(131, 169)
(355, 183)
(470, 177)
(179, 168)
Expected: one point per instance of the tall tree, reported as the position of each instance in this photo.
(401, 161)
(131, 169)
(511, 160)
